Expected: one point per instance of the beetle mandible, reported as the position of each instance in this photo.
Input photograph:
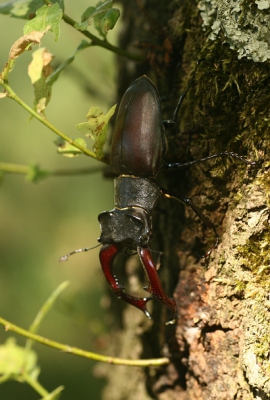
(137, 156)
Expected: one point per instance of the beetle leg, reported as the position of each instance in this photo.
(155, 286)
(107, 255)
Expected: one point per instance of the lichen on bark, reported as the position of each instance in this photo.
(244, 25)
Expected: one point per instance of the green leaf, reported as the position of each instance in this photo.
(96, 128)
(104, 5)
(67, 150)
(46, 18)
(25, 9)
(104, 16)
(39, 70)
(86, 19)
(36, 174)
(109, 20)
(88, 13)
(14, 363)
(101, 12)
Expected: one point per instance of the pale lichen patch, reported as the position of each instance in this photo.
(243, 25)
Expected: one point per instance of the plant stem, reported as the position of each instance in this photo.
(103, 43)
(98, 42)
(44, 121)
(24, 170)
(14, 168)
(35, 385)
(156, 362)
(43, 312)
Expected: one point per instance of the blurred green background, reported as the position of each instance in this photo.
(41, 222)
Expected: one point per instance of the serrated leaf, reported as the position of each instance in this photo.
(109, 20)
(47, 17)
(96, 128)
(13, 359)
(38, 70)
(25, 9)
(35, 174)
(67, 149)
(55, 395)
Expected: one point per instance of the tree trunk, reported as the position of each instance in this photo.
(219, 347)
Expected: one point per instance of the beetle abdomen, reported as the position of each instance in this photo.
(138, 140)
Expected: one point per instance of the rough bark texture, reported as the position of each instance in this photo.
(219, 347)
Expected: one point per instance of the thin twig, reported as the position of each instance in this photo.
(154, 362)
(44, 121)
(98, 42)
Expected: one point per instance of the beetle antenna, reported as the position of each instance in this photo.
(172, 121)
(224, 153)
(168, 96)
(183, 95)
(188, 202)
(65, 258)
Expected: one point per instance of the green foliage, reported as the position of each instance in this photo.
(103, 15)
(46, 18)
(108, 21)
(13, 361)
(67, 149)
(38, 70)
(25, 9)
(20, 363)
(96, 128)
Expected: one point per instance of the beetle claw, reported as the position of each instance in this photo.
(139, 302)
(155, 286)
(107, 255)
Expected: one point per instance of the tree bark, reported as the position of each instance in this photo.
(219, 347)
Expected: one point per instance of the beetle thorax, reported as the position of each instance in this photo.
(130, 222)
(132, 191)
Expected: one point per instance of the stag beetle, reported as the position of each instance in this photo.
(137, 156)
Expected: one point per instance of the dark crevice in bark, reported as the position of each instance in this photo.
(213, 328)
